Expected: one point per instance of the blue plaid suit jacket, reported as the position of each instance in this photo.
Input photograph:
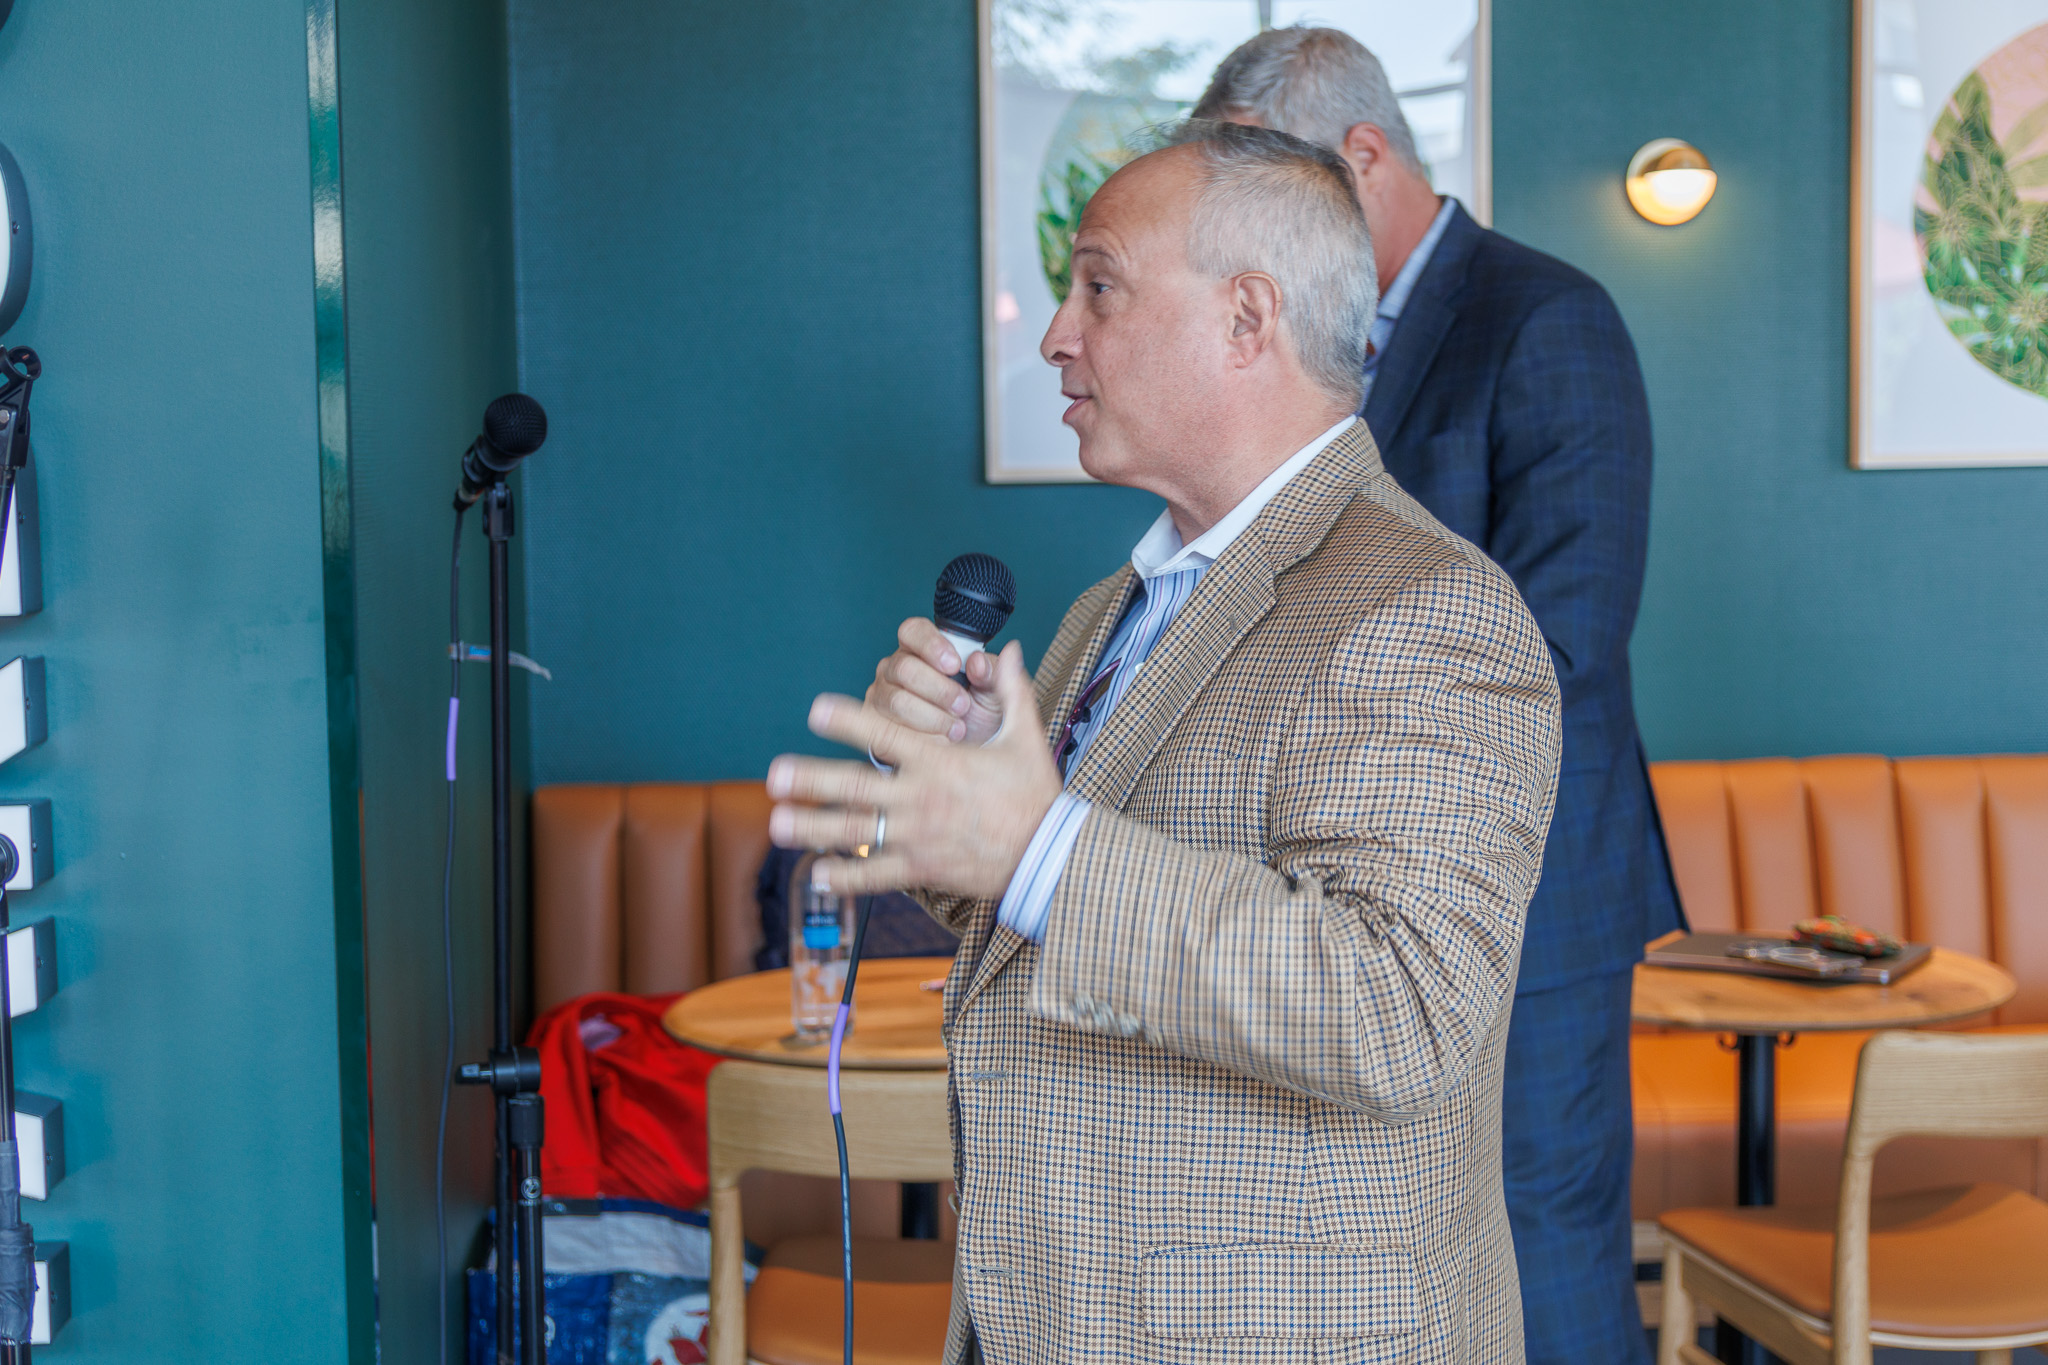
(1510, 404)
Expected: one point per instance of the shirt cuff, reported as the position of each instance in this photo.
(1028, 898)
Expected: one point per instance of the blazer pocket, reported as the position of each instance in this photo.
(1278, 1289)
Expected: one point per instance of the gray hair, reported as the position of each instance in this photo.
(1315, 83)
(1275, 203)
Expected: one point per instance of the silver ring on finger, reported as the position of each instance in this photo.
(881, 832)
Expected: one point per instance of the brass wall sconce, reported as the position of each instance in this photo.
(1669, 181)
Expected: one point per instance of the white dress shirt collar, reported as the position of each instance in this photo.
(1161, 552)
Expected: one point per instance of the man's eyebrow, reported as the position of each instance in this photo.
(1104, 252)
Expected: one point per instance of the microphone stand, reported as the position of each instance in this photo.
(19, 369)
(513, 1072)
(17, 1239)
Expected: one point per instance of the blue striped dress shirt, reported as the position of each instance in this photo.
(1396, 297)
(1168, 574)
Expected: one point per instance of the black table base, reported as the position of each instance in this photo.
(1756, 1165)
(921, 1211)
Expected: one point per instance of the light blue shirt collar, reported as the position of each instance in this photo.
(1396, 297)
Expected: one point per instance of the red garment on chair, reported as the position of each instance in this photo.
(625, 1102)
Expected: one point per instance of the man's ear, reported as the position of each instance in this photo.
(1254, 315)
(1365, 146)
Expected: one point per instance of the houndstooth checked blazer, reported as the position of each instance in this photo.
(1244, 1103)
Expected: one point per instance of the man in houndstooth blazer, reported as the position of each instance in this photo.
(1226, 1062)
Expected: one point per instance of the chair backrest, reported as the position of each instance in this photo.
(1933, 1084)
(764, 1117)
(1924, 1084)
(774, 1118)
(1952, 851)
(645, 887)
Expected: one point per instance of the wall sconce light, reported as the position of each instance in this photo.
(53, 1292)
(22, 720)
(1669, 181)
(17, 239)
(26, 824)
(31, 965)
(39, 1127)
(21, 562)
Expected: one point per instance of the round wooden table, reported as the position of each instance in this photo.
(896, 1015)
(895, 1018)
(1759, 1009)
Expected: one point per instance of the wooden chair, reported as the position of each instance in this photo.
(1957, 1269)
(765, 1117)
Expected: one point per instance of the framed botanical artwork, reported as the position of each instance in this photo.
(1949, 258)
(1066, 84)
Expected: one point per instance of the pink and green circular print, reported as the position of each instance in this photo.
(1981, 212)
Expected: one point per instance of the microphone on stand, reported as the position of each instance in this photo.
(976, 594)
(514, 427)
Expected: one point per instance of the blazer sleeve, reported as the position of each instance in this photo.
(1570, 513)
(1365, 963)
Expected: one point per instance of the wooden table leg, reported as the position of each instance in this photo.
(1756, 1163)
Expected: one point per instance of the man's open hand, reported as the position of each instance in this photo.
(915, 686)
(959, 816)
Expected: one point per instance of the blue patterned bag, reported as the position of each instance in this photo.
(628, 1283)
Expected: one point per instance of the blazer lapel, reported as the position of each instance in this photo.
(983, 943)
(1064, 692)
(1420, 330)
(1236, 592)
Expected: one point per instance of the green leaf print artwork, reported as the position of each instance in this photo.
(1981, 215)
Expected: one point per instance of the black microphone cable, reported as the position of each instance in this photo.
(839, 1023)
(448, 931)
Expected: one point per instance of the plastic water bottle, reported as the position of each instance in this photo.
(820, 945)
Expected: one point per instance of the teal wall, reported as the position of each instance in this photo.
(427, 248)
(262, 366)
(748, 271)
(749, 292)
(1793, 605)
(196, 1038)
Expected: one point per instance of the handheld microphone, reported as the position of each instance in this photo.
(514, 427)
(975, 596)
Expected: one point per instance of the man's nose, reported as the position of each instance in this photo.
(1061, 345)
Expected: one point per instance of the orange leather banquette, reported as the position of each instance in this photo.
(646, 888)
(1952, 851)
(650, 888)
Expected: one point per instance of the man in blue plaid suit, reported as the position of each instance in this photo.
(1505, 396)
